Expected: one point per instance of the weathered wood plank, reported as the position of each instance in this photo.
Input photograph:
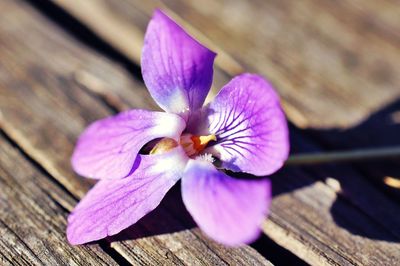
(322, 56)
(303, 57)
(32, 224)
(50, 70)
(333, 235)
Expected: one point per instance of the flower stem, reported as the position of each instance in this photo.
(343, 156)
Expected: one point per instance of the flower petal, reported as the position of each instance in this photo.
(108, 147)
(176, 68)
(250, 126)
(228, 210)
(113, 205)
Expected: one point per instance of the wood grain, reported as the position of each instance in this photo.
(32, 223)
(333, 65)
(48, 96)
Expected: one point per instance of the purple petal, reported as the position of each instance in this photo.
(228, 210)
(250, 126)
(108, 147)
(113, 205)
(176, 68)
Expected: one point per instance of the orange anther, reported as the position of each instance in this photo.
(195, 144)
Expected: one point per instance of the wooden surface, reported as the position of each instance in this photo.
(336, 65)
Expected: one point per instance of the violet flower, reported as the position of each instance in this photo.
(242, 130)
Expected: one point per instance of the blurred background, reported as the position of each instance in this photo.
(335, 64)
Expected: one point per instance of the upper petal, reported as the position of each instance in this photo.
(113, 205)
(176, 68)
(250, 126)
(108, 147)
(228, 210)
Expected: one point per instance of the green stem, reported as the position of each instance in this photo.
(343, 156)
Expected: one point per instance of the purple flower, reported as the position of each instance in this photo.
(242, 130)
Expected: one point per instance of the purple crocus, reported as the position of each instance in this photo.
(242, 130)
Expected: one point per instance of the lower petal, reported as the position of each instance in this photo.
(250, 126)
(113, 205)
(228, 210)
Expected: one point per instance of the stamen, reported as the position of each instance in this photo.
(193, 144)
(200, 142)
(164, 145)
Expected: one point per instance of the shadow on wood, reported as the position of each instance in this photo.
(380, 207)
